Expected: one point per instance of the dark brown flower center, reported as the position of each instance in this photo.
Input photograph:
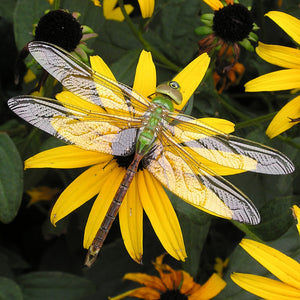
(173, 295)
(232, 23)
(60, 28)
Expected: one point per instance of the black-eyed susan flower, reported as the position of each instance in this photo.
(61, 28)
(231, 25)
(172, 284)
(286, 269)
(289, 78)
(145, 192)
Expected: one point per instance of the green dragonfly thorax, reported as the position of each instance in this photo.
(160, 106)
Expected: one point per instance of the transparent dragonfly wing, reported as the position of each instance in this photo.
(84, 82)
(204, 141)
(177, 170)
(89, 130)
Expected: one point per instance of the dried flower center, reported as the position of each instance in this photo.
(232, 23)
(173, 295)
(59, 28)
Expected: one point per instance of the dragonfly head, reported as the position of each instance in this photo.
(172, 90)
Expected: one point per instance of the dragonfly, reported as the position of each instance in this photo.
(150, 131)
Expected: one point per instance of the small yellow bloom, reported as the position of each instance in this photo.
(42, 193)
(220, 265)
(172, 284)
(96, 3)
(111, 12)
(280, 265)
(287, 79)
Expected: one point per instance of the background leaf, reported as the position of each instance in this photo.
(54, 285)
(11, 179)
(9, 290)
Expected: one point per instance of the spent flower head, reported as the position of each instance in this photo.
(230, 27)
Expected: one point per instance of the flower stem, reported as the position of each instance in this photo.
(145, 44)
(56, 4)
(255, 121)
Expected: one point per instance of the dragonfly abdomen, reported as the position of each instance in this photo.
(112, 211)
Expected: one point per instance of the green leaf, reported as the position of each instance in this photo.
(7, 8)
(54, 285)
(11, 179)
(124, 67)
(27, 13)
(9, 290)
(276, 218)
(195, 235)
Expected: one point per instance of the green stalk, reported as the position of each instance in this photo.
(255, 121)
(144, 43)
(56, 4)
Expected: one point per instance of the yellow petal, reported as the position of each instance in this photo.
(265, 288)
(98, 65)
(131, 222)
(214, 4)
(147, 8)
(296, 212)
(145, 75)
(29, 76)
(212, 287)
(190, 77)
(111, 13)
(283, 267)
(150, 281)
(75, 101)
(144, 293)
(222, 125)
(275, 81)
(282, 56)
(82, 189)
(289, 24)
(158, 207)
(282, 120)
(100, 207)
(66, 157)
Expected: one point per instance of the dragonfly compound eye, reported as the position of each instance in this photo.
(174, 85)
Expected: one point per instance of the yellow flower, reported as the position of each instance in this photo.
(172, 284)
(289, 78)
(280, 265)
(145, 192)
(42, 193)
(111, 12)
